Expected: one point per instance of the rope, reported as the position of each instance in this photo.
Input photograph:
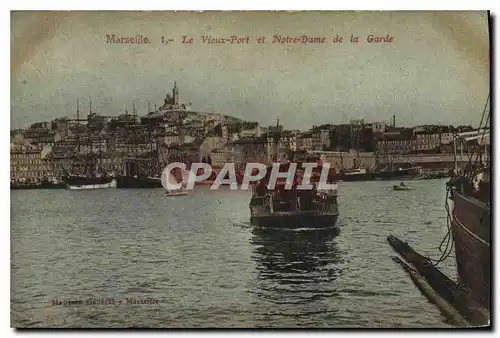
(472, 172)
(447, 241)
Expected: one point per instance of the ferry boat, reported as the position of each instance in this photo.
(282, 208)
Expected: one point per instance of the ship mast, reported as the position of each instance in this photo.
(277, 136)
(89, 132)
(78, 125)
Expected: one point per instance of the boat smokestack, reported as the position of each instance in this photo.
(394, 121)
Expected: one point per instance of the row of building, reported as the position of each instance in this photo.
(175, 132)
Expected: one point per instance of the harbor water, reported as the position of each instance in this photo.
(196, 262)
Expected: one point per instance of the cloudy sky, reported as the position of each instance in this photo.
(436, 70)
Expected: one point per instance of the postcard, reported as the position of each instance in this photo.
(280, 169)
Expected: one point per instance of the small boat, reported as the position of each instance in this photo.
(184, 176)
(92, 177)
(178, 192)
(357, 175)
(401, 187)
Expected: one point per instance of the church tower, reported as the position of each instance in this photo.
(175, 94)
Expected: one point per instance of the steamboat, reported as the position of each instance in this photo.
(293, 208)
(139, 174)
(279, 206)
(385, 174)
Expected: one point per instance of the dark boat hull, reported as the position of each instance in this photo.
(404, 174)
(52, 186)
(471, 235)
(38, 186)
(358, 177)
(127, 182)
(296, 220)
(24, 186)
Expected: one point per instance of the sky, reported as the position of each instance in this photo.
(435, 71)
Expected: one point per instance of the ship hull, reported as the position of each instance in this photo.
(471, 234)
(127, 182)
(86, 183)
(24, 186)
(111, 184)
(52, 186)
(296, 220)
(44, 185)
(403, 174)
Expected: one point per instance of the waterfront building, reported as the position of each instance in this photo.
(212, 141)
(252, 149)
(287, 141)
(432, 137)
(340, 137)
(250, 129)
(28, 163)
(321, 137)
(305, 141)
(392, 143)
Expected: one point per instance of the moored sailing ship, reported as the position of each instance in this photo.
(465, 302)
(91, 177)
(471, 222)
(90, 181)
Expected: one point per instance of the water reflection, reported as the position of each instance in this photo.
(296, 266)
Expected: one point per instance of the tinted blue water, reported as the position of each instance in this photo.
(205, 266)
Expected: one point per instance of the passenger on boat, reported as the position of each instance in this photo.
(306, 199)
(402, 184)
(261, 189)
(276, 200)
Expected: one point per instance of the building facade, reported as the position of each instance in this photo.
(28, 163)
